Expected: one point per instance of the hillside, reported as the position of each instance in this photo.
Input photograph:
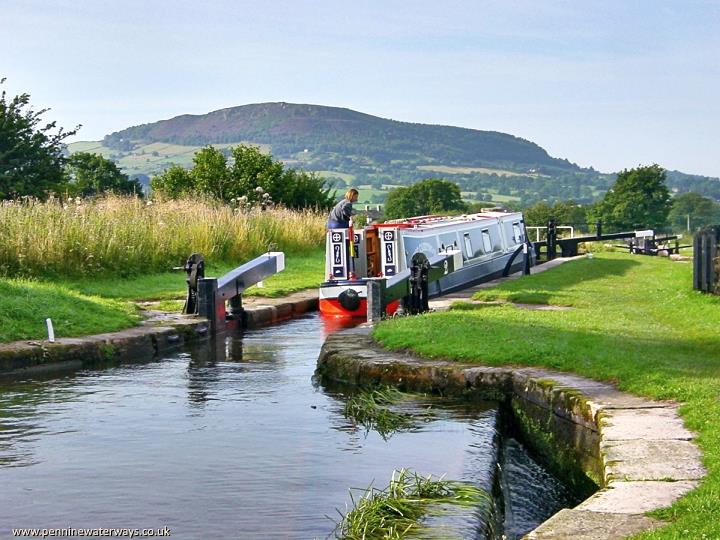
(353, 148)
(290, 129)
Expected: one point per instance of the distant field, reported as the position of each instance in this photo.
(470, 196)
(504, 198)
(366, 192)
(347, 178)
(151, 158)
(95, 147)
(468, 170)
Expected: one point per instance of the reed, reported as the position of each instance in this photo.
(395, 512)
(370, 409)
(121, 236)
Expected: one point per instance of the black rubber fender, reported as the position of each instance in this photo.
(349, 299)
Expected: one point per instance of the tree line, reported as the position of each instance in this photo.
(33, 162)
(638, 199)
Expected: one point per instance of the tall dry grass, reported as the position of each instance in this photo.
(125, 235)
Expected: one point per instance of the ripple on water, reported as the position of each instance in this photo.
(231, 437)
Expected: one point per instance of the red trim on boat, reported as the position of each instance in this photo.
(330, 307)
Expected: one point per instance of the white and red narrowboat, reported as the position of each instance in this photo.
(483, 243)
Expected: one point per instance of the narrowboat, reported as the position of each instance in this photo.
(482, 245)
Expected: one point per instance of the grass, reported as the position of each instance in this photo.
(86, 263)
(635, 322)
(370, 409)
(302, 271)
(24, 306)
(346, 177)
(90, 306)
(121, 236)
(394, 512)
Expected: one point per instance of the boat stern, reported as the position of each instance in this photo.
(347, 299)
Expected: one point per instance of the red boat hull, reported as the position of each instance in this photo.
(330, 307)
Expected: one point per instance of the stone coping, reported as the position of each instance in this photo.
(156, 335)
(648, 457)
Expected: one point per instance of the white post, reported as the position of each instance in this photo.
(51, 330)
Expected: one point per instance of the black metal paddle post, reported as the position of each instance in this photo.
(706, 263)
(195, 270)
(551, 240)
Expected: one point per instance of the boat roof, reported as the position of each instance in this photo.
(440, 221)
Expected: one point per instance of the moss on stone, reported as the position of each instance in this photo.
(560, 458)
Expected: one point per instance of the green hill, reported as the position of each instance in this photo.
(326, 131)
(353, 148)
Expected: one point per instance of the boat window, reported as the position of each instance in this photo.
(420, 244)
(450, 240)
(468, 246)
(497, 244)
(518, 236)
(487, 242)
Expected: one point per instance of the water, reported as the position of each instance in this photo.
(230, 441)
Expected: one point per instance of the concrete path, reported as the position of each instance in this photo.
(445, 301)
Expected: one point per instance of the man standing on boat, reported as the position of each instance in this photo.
(339, 217)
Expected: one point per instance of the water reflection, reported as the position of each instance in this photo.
(230, 439)
(28, 411)
(335, 324)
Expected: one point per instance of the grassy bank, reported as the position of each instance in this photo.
(121, 236)
(634, 321)
(24, 306)
(95, 305)
(302, 271)
(84, 263)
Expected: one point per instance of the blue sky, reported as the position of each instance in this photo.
(609, 84)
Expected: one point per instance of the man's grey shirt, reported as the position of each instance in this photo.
(342, 211)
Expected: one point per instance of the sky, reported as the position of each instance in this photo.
(610, 84)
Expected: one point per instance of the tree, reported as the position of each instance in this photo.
(563, 212)
(212, 175)
(252, 169)
(431, 196)
(306, 190)
(638, 199)
(538, 214)
(92, 174)
(174, 182)
(31, 154)
(694, 209)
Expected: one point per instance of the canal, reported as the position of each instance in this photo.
(234, 439)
